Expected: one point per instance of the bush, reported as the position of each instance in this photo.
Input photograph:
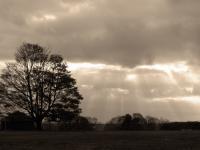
(17, 121)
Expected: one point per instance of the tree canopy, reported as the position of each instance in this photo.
(38, 82)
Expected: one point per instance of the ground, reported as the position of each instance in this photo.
(144, 140)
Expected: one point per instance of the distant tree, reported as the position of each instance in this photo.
(117, 120)
(115, 123)
(37, 82)
(152, 123)
(138, 122)
(81, 123)
(126, 122)
(138, 116)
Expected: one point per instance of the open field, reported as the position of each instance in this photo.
(145, 140)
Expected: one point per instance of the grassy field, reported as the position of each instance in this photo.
(147, 140)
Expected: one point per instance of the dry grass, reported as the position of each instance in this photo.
(147, 140)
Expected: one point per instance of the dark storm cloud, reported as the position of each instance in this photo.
(126, 32)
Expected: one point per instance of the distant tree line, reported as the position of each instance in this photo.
(134, 122)
(138, 122)
(190, 125)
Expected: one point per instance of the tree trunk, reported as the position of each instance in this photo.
(39, 124)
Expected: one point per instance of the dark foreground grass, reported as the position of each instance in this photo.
(144, 140)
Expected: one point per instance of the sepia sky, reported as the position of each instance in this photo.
(127, 55)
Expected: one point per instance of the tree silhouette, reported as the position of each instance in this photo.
(138, 122)
(127, 122)
(37, 82)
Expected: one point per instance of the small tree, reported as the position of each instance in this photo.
(37, 82)
(153, 123)
(138, 122)
(127, 122)
(18, 121)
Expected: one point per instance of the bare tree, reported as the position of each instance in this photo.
(37, 82)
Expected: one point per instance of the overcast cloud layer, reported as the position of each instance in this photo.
(125, 32)
(129, 37)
